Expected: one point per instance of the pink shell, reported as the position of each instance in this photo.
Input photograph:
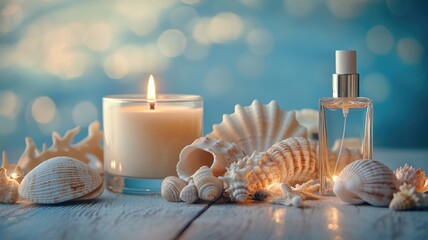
(412, 176)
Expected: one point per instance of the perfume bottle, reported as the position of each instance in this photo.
(345, 123)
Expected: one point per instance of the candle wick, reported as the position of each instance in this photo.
(152, 105)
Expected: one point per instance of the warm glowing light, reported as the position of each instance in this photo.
(151, 90)
(14, 175)
(334, 178)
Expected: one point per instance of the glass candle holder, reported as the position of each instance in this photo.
(143, 138)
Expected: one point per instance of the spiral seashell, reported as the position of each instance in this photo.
(171, 187)
(412, 176)
(204, 151)
(58, 180)
(8, 188)
(189, 194)
(366, 181)
(292, 161)
(408, 198)
(257, 127)
(209, 187)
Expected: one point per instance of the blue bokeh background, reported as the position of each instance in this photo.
(59, 58)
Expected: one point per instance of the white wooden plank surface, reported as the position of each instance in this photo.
(112, 216)
(116, 216)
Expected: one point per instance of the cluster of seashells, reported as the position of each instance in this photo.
(373, 182)
(261, 152)
(254, 148)
(54, 175)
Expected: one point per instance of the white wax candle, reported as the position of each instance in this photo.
(144, 143)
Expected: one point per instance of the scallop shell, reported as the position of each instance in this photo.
(204, 151)
(412, 176)
(189, 194)
(58, 180)
(209, 187)
(257, 127)
(8, 188)
(292, 161)
(366, 181)
(309, 118)
(408, 198)
(171, 188)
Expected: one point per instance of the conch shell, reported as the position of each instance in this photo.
(189, 194)
(8, 188)
(60, 179)
(85, 151)
(171, 188)
(412, 176)
(204, 151)
(292, 161)
(407, 198)
(257, 127)
(209, 187)
(366, 181)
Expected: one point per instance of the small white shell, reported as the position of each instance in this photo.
(189, 194)
(204, 151)
(257, 127)
(408, 198)
(8, 188)
(366, 181)
(58, 180)
(292, 161)
(209, 187)
(171, 188)
(412, 176)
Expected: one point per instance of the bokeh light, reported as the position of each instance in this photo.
(379, 39)
(410, 50)
(9, 104)
(59, 58)
(43, 109)
(84, 113)
(172, 43)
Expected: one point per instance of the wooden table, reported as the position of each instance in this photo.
(127, 217)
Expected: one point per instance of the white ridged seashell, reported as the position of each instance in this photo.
(408, 198)
(366, 181)
(189, 194)
(8, 188)
(309, 118)
(209, 187)
(215, 153)
(292, 161)
(257, 127)
(412, 176)
(58, 180)
(171, 187)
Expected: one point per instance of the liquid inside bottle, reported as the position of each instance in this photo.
(345, 136)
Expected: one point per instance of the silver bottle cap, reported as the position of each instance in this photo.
(346, 78)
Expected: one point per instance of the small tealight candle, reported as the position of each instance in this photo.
(143, 137)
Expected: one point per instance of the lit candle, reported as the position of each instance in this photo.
(144, 136)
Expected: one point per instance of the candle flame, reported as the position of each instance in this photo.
(151, 90)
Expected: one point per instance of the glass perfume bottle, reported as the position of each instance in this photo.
(345, 123)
